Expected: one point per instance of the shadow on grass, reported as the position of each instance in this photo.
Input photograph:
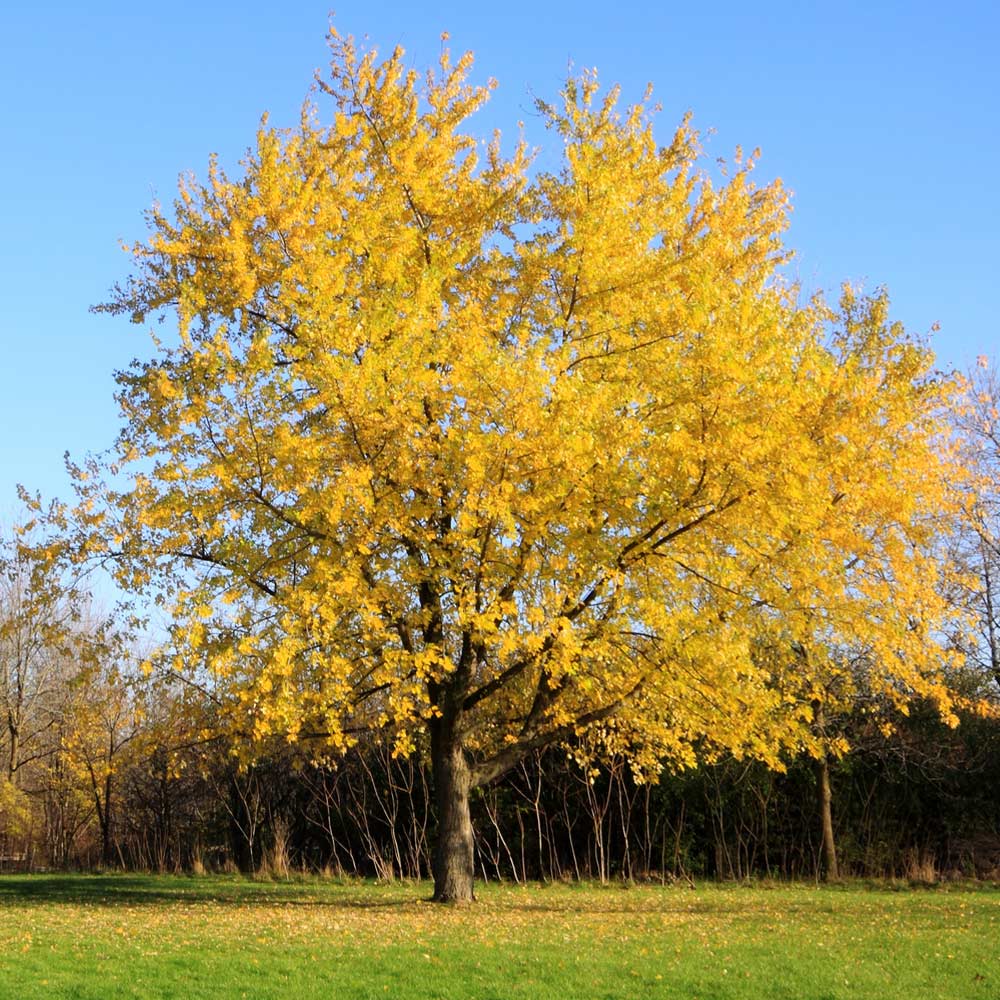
(122, 889)
(128, 890)
(131, 890)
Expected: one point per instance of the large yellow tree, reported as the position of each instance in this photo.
(495, 457)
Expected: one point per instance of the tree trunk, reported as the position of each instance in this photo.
(831, 872)
(15, 749)
(107, 853)
(453, 852)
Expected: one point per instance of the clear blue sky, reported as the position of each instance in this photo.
(881, 117)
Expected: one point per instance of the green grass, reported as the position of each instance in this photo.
(217, 937)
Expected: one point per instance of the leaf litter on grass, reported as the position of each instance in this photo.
(224, 938)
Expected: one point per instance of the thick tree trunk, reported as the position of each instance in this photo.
(453, 852)
(830, 870)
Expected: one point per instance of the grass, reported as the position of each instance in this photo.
(213, 937)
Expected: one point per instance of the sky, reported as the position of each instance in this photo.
(882, 118)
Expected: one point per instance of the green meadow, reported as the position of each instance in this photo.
(112, 936)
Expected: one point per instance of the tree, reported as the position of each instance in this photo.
(104, 716)
(50, 638)
(42, 644)
(492, 457)
(978, 540)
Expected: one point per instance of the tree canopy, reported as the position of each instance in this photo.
(495, 456)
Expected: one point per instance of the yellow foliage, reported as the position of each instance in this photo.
(15, 810)
(449, 441)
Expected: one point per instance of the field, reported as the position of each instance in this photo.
(220, 937)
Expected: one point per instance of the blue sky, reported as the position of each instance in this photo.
(882, 118)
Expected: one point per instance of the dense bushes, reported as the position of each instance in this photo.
(919, 803)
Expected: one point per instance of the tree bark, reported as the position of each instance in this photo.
(107, 854)
(831, 872)
(15, 749)
(453, 852)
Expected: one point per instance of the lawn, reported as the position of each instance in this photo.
(113, 936)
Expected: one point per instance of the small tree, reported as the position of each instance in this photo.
(494, 457)
(46, 636)
(103, 717)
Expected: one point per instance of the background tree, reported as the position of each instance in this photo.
(978, 539)
(52, 643)
(38, 618)
(490, 458)
(104, 716)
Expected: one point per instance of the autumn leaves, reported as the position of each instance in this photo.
(499, 455)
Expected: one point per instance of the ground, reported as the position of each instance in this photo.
(117, 936)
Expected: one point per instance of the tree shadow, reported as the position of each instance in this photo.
(138, 890)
